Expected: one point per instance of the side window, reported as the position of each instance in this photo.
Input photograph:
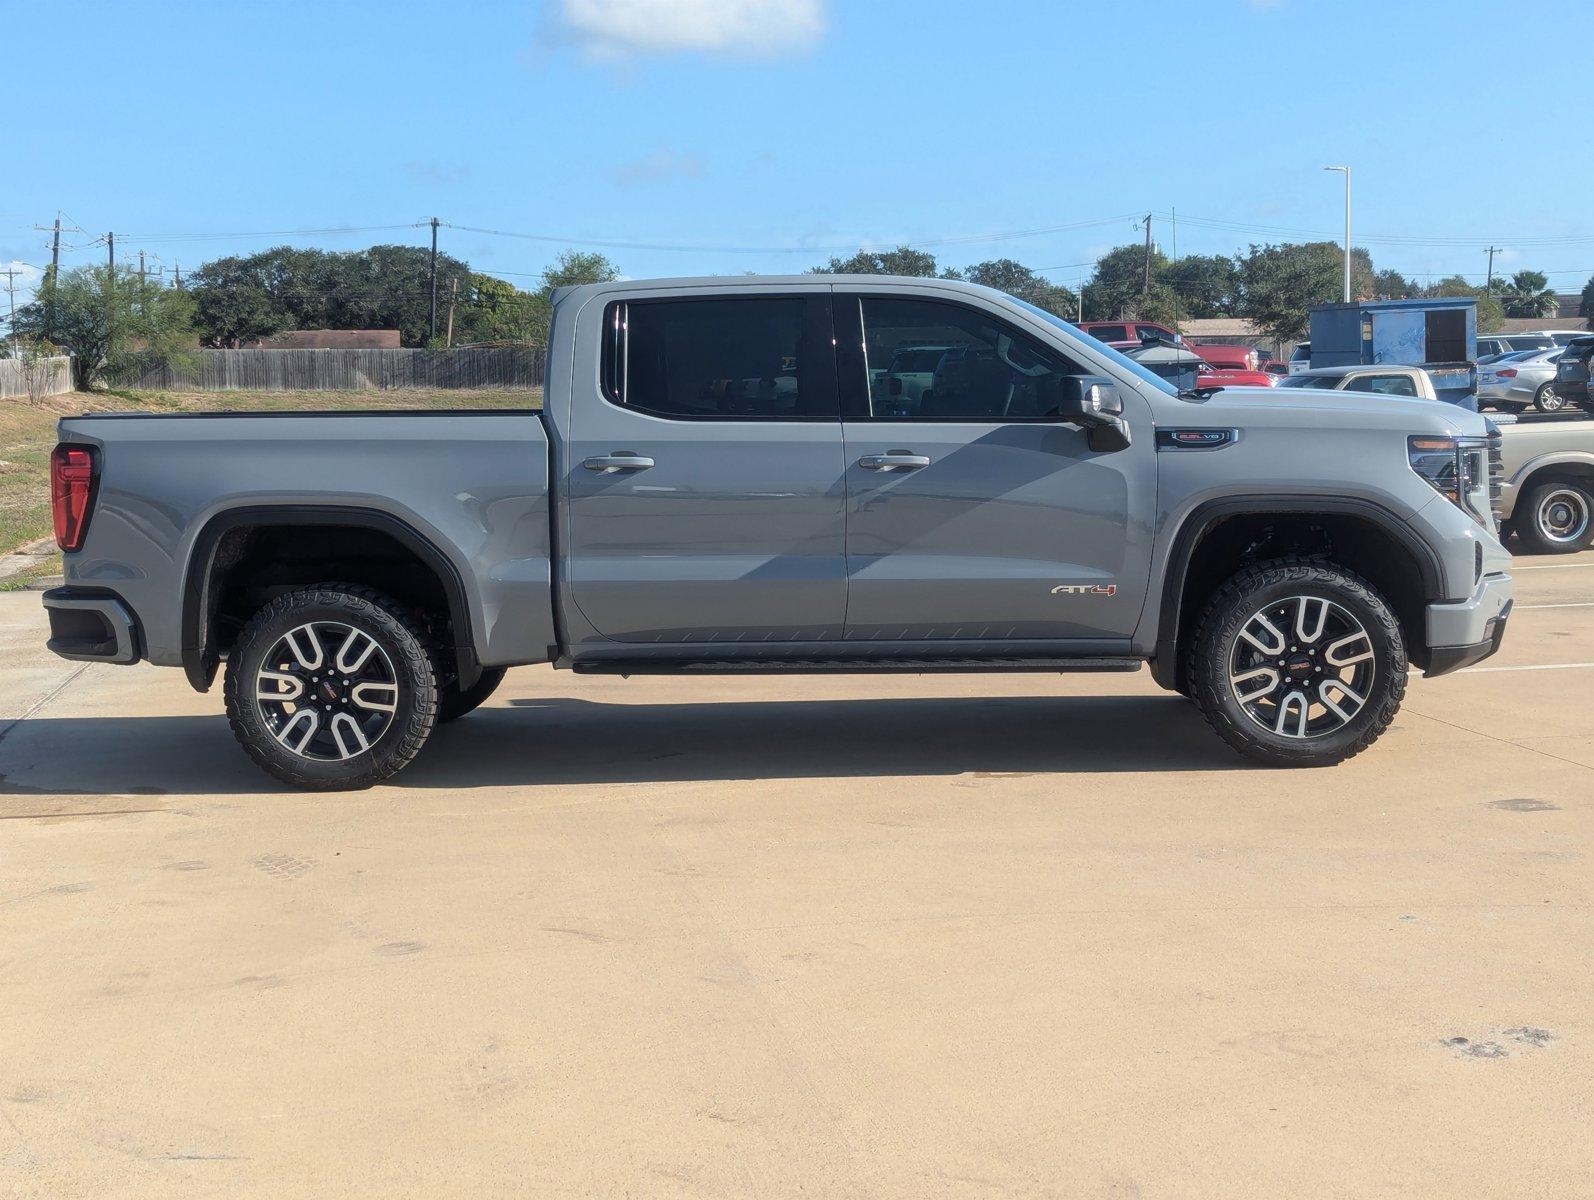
(1111, 333)
(712, 359)
(1384, 385)
(929, 361)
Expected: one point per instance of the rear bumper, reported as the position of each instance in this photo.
(91, 626)
(1470, 630)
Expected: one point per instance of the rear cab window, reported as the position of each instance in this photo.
(721, 358)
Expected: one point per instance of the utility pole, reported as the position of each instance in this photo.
(11, 292)
(1489, 287)
(177, 270)
(1145, 286)
(432, 319)
(142, 278)
(453, 297)
(110, 284)
(55, 272)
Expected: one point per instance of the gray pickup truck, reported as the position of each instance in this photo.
(753, 475)
(1547, 484)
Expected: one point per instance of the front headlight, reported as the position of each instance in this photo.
(1458, 469)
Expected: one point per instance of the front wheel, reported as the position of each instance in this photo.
(1546, 400)
(1298, 664)
(1555, 517)
(330, 688)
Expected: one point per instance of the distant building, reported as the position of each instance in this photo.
(329, 339)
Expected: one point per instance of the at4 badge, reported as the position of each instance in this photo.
(1085, 589)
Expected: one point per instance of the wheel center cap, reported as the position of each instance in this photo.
(1299, 666)
(329, 690)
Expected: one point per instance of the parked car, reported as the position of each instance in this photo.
(1301, 358)
(1573, 371)
(1504, 343)
(1275, 366)
(1225, 357)
(711, 488)
(1391, 379)
(1547, 485)
(1564, 337)
(1519, 380)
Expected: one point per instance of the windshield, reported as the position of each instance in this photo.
(1119, 360)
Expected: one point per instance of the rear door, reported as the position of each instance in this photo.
(704, 475)
(973, 515)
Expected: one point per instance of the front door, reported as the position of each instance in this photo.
(703, 475)
(973, 514)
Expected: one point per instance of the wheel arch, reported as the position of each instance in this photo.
(200, 655)
(1175, 599)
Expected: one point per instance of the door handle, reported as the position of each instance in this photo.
(608, 464)
(894, 460)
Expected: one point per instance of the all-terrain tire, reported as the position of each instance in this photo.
(1555, 516)
(1212, 645)
(453, 702)
(376, 616)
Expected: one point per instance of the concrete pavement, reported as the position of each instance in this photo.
(872, 937)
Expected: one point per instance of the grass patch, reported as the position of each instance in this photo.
(42, 569)
(27, 431)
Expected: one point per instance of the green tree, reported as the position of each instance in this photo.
(901, 261)
(1279, 284)
(1529, 295)
(1006, 275)
(1585, 308)
(1392, 285)
(111, 324)
(242, 299)
(575, 267)
(490, 310)
(1208, 285)
(1116, 288)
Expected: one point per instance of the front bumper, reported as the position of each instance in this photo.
(91, 626)
(1468, 631)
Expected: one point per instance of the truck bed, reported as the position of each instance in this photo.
(472, 484)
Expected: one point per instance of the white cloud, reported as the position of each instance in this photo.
(662, 166)
(612, 30)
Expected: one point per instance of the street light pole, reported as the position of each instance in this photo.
(1347, 227)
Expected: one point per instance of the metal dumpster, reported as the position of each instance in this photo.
(1439, 334)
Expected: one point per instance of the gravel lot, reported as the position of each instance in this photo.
(827, 937)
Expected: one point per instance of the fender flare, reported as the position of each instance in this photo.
(200, 660)
(1206, 516)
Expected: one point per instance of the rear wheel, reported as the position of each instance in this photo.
(454, 702)
(1546, 400)
(1298, 664)
(1555, 517)
(330, 688)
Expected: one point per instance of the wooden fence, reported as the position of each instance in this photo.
(50, 377)
(348, 370)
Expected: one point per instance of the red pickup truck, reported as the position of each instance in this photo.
(1227, 366)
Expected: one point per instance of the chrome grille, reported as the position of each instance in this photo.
(1496, 471)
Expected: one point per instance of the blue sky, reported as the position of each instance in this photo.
(767, 124)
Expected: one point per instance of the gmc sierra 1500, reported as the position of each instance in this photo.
(736, 475)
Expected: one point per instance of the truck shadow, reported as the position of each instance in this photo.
(559, 740)
(564, 740)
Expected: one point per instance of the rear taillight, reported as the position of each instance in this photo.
(1508, 373)
(72, 479)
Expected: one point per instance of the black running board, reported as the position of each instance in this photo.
(840, 666)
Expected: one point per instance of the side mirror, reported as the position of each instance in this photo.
(1093, 403)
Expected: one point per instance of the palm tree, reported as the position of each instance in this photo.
(1529, 295)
